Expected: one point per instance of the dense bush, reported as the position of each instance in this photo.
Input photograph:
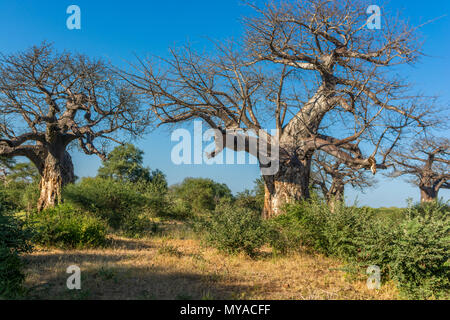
(200, 196)
(248, 199)
(233, 229)
(14, 240)
(252, 199)
(127, 207)
(67, 227)
(389, 214)
(414, 251)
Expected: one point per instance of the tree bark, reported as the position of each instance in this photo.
(334, 196)
(56, 172)
(290, 184)
(428, 194)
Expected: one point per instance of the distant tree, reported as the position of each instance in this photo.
(20, 184)
(331, 176)
(159, 181)
(252, 199)
(23, 172)
(125, 163)
(5, 167)
(428, 161)
(50, 100)
(201, 195)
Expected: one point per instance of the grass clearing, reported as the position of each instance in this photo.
(173, 268)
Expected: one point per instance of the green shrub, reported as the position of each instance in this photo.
(421, 257)
(200, 196)
(14, 240)
(413, 250)
(392, 214)
(249, 200)
(332, 233)
(252, 199)
(11, 274)
(67, 227)
(233, 229)
(126, 207)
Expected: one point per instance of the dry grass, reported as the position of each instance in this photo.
(161, 268)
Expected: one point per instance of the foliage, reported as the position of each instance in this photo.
(388, 214)
(331, 233)
(126, 207)
(200, 196)
(252, 199)
(158, 182)
(14, 240)
(125, 164)
(67, 227)
(233, 229)
(20, 187)
(247, 199)
(414, 251)
(285, 235)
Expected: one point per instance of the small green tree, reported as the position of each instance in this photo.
(125, 163)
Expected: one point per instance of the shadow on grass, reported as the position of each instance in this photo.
(102, 279)
(128, 244)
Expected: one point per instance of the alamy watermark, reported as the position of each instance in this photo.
(232, 146)
(374, 21)
(74, 281)
(73, 22)
(374, 280)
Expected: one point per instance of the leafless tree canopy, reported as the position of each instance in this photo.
(49, 100)
(428, 161)
(309, 68)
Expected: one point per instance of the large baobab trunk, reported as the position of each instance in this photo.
(56, 172)
(428, 194)
(291, 183)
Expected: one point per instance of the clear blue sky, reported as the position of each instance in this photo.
(118, 29)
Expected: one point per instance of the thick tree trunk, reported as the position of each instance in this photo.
(56, 171)
(335, 195)
(290, 184)
(428, 194)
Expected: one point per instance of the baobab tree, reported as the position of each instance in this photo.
(312, 70)
(51, 100)
(428, 161)
(331, 176)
